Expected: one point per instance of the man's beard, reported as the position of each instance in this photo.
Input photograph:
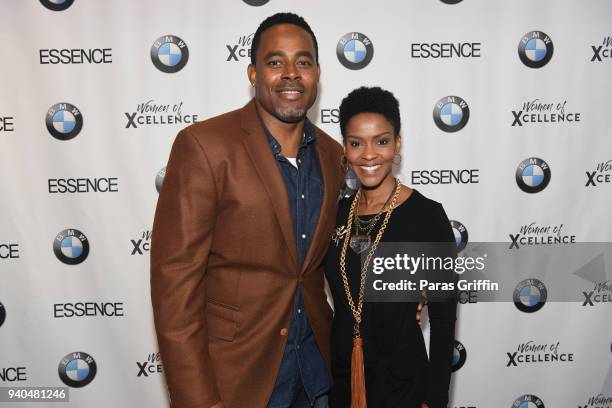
(290, 115)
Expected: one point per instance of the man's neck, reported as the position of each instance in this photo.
(288, 135)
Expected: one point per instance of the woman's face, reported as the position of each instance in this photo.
(369, 147)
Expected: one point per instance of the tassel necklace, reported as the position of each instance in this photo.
(358, 391)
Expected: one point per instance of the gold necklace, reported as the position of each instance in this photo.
(356, 309)
(362, 240)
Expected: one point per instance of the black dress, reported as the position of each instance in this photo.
(397, 370)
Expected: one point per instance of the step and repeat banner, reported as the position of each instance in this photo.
(506, 122)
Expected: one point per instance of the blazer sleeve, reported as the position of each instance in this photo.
(181, 242)
(442, 316)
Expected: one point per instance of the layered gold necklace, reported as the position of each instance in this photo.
(358, 395)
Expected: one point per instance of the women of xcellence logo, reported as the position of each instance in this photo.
(64, 121)
(529, 295)
(71, 246)
(169, 53)
(57, 5)
(77, 369)
(461, 234)
(528, 401)
(532, 175)
(451, 113)
(459, 356)
(354, 50)
(535, 49)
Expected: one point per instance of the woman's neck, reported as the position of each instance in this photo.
(373, 199)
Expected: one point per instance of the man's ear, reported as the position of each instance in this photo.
(252, 74)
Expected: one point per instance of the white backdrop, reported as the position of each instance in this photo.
(37, 287)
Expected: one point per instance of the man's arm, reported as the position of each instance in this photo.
(182, 237)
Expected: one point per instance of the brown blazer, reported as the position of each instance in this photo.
(224, 262)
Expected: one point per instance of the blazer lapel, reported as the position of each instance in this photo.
(261, 155)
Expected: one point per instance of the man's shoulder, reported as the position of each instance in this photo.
(217, 128)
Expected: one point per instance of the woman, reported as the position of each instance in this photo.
(398, 372)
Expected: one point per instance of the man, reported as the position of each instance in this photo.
(242, 224)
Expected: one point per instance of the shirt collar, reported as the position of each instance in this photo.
(309, 136)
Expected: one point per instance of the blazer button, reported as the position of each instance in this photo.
(284, 331)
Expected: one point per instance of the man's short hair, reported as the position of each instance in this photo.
(370, 100)
(282, 18)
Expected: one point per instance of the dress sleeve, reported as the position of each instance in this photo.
(442, 316)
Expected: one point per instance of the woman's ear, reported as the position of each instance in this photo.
(398, 144)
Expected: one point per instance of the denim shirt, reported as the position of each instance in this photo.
(302, 364)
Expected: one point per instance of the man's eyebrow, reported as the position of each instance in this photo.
(279, 53)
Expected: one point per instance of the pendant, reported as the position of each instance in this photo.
(360, 243)
(338, 234)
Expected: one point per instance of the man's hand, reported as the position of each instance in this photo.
(422, 303)
(220, 405)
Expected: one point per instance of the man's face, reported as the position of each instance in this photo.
(286, 73)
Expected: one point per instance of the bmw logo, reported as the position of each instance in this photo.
(159, 179)
(2, 314)
(64, 121)
(532, 175)
(57, 5)
(77, 369)
(169, 53)
(461, 234)
(529, 295)
(535, 49)
(528, 401)
(459, 356)
(355, 50)
(451, 113)
(451, 1)
(71, 246)
(256, 3)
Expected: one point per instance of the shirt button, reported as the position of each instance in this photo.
(303, 196)
(298, 346)
(303, 236)
(299, 311)
(284, 331)
(299, 160)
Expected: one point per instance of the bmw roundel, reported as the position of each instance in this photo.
(354, 50)
(159, 179)
(461, 234)
(169, 53)
(77, 369)
(71, 246)
(57, 5)
(64, 121)
(528, 401)
(535, 49)
(532, 175)
(451, 113)
(459, 356)
(530, 295)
